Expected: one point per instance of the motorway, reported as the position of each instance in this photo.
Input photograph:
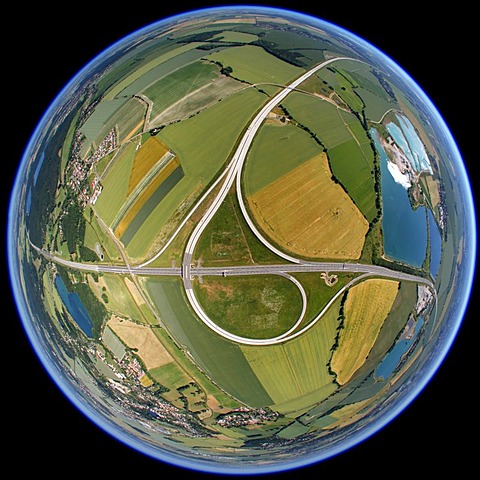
(188, 269)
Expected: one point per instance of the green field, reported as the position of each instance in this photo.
(236, 37)
(180, 83)
(351, 157)
(256, 306)
(318, 292)
(200, 159)
(320, 116)
(301, 364)
(154, 63)
(366, 86)
(216, 356)
(349, 165)
(276, 150)
(254, 65)
(115, 184)
(228, 240)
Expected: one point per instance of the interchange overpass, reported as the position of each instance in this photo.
(189, 270)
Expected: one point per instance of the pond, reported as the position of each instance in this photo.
(75, 307)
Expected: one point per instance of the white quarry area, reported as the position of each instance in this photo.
(408, 157)
(402, 178)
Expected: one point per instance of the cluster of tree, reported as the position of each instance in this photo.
(293, 57)
(73, 225)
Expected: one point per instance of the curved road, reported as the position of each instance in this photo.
(187, 271)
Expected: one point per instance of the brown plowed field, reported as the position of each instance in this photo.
(308, 214)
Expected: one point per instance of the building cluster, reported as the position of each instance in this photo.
(245, 416)
(79, 170)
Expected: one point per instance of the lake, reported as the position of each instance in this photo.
(394, 356)
(435, 245)
(404, 229)
(75, 307)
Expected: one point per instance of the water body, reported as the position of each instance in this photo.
(37, 170)
(28, 202)
(404, 229)
(75, 307)
(435, 245)
(393, 358)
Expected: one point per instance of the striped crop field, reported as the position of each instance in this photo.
(159, 186)
(180, 84)
(151, 151)
(295, 370)
(307, 213)
(366, 308)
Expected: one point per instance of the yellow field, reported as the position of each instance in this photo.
(306, 213)
(366, 308)
(146, 157)
(141, 337)
(143, 197)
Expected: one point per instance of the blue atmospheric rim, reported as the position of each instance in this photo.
(200, 464)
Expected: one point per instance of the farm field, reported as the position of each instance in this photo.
(349, 166)
(366, 309)
(200, 165)
(256, 306)
(160, 64)
(236, 37)
(150, 197)
(197, 100)
(115, 184)
(254, 65)
(275, 151)
(216, 356)
(142, 339)
(120, 298)
(307, 213)
(351, 157)
(320, 116)
(301, 363)
(179, 84)
(151, 151)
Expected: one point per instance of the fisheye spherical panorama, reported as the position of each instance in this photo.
(241, 240)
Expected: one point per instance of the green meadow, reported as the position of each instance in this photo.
(255, 306)
(180, 83)
(254, 65)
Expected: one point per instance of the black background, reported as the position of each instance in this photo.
(44, 433)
